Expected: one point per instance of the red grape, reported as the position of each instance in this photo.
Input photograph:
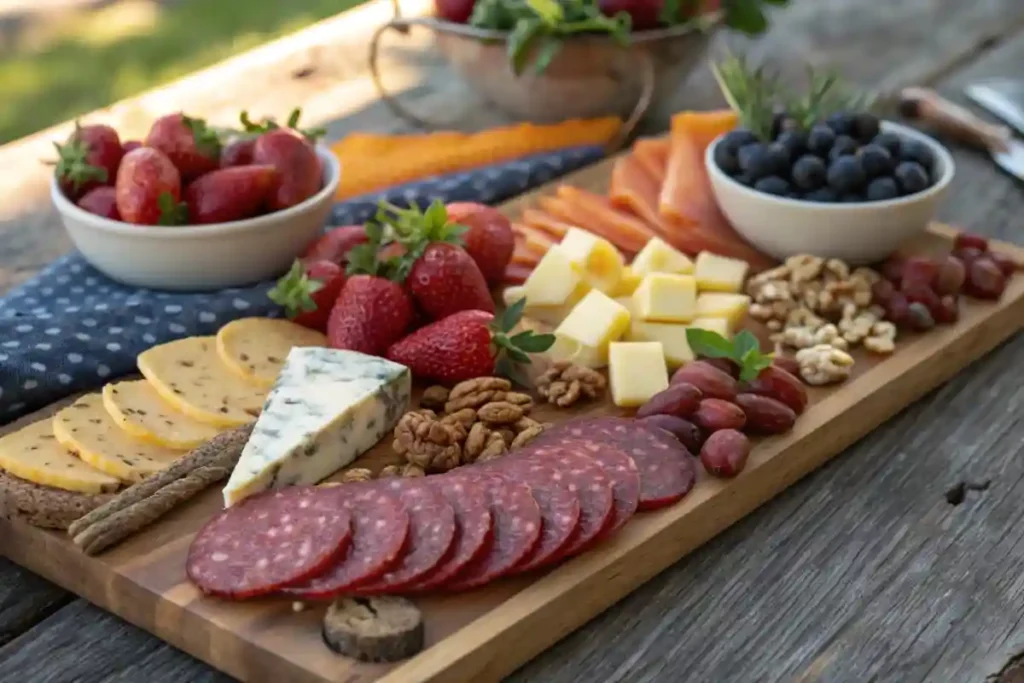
(458, 11)
(948, 311)
(896, 310)
(882, 291)
(918, 271)
(985, 280)
(920, 317)
(967, 240)
(892, 269)
(950, 276)
(1007, 264)
(922, 293)
(968, 254)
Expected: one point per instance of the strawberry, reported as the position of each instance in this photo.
(268, 124)
(88, 159)
(148, 189)
(336, 243)
(443, 277)
(297, 165)
(308, 291)
(188, 142)
(238, 152)
(469, 344)
(373, 310)
(229, 194)
(129, 145)
(101, 201)
(489, 240)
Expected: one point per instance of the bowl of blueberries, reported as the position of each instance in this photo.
(843, 184)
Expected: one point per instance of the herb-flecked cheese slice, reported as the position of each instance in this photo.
(190, 376)
(327, 408)
(137, 409)
(85, 429)
(255, 348)
(34, 454)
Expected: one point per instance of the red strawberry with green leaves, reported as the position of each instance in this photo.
(238, 152)
(298, 166)
(148, 189)
(101, 201)
(192, 146)
(336, 243)
(373, 310)
(269, 124)
(469, 344)
(489, 239)
(442, 276)
(308, 291)
(229, 194)
(88, 159)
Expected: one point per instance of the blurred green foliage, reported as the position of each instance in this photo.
(57, 66)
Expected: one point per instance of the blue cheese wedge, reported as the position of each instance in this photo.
(327, 408)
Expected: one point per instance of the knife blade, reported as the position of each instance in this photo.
(929, 107)
(1001, 97)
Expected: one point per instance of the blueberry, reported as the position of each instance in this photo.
(881, 189)
(795, 141)
(851, 198)
(843, 146)
(865, 127)
(809, 172)
(735, 139)
(911, 176)
(876, 160)
(825, 195)
(756, 161)
(890, 141)
(846, 175)
(725, 159)
(820, 140)
(780, 158)
(913, 150)
(773, 184)
(841, 123)
(744, 179)
(783, 122)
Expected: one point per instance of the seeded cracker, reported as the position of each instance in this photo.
(189, 375)
(138, 410)
(255, 348)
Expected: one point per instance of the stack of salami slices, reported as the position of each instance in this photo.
(574, 485)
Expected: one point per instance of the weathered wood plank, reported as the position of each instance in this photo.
(25, 599)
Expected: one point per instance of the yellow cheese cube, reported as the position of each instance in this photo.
(513, 294)
(600, 262)
(658, 256)
(672, 337)
(595, 322)
(627, 302)
(717, 325)
(553, 281)
(666, 298)
(549, 315)
(571, 351)
(628, 283)
(732, 307)
(636, 371)
(716, 273)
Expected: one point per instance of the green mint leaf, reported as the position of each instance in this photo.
(709, 344)
(549, 11)
(750, 370)
(743, 344)
(521, 41)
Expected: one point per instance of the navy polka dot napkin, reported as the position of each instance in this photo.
(72, 329)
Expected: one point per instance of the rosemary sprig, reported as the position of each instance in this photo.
(750, 92)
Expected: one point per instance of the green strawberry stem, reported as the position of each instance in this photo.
(511, 352)
(268, 124)
(206, 139)
(294, 291)
(171, 212)
(71, 164)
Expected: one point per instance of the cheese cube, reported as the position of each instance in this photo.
(672, 337)
(716, 273)
(600, 262)
(731, 307)
(513, 294)
(628, 283)
(658, 256)
(636, 372)
(717, 325)
(549, 315)
(666, 298)
(553, 281)
(595, 322)
(626, 301)
(571, 351)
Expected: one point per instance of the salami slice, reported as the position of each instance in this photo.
(517, 525)
(667, 470)
(473, 521)
(268, 541)
(573, 470)
(380, 526)
(431, 533)
(559, 508)
(621, 469)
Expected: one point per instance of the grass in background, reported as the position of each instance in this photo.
(70, 62)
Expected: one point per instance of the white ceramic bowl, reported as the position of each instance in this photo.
(200, 257)
(855, 233)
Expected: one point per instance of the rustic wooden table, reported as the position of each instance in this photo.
(879, 567)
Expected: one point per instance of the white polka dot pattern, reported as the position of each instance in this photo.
(71, 329)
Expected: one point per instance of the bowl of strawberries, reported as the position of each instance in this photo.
(191, 208)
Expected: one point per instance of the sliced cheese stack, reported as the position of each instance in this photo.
(34, 454)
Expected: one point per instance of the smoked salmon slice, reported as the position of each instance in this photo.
(524, 256)
(599, 215)
(545, 222)
(686, 197)
(634, 189)
(532, 239)
(652, 154)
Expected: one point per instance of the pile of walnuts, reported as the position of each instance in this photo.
(478, 420)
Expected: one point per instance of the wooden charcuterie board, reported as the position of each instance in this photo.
(485, 634)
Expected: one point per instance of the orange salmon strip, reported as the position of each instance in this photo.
(572, 214)
(532, 238)
(633, 189)
(632, 230)
(546, 223)
(686, 193)
(652, 154)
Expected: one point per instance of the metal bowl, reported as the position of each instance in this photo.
(591, 76)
